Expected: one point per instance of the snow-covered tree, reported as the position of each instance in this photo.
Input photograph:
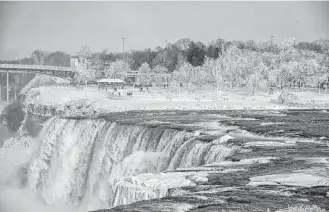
(117, 69)
(287, 43)
(316, 74)
(144, 75)
(287, 50)
(84, 75)
(199, 77)
(234, 64)
(257, 77)
(281, 74)
(184, 74)
(283, 67)
(214, 72)
(160, 75)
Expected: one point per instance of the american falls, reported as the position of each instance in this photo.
(90, 164)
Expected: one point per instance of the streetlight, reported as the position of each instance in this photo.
(123, 44)
(223, 47)
(123, 48)
(7, 82)
(296, 31)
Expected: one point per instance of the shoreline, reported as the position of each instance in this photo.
(71, 102)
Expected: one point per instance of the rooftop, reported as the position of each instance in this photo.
(111, 80)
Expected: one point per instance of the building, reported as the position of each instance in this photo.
(80, 62)
(74, 62)
(110, 83)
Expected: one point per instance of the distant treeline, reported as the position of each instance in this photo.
(171, 57)
(251, 64)
(39, 57)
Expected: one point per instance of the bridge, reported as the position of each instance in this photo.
(49, 70)
(35, 69)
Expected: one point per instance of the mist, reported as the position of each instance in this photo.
(16, 195)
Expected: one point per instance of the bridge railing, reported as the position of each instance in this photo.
(36, 67)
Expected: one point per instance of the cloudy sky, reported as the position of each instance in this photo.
(65, 26)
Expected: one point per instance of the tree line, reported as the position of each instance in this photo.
(255, 65)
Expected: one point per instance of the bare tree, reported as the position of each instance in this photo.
(183, 43)
(39, 56)
(85, 51)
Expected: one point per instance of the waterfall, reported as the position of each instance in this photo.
(102, 164)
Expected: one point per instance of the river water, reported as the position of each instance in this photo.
(85, 164)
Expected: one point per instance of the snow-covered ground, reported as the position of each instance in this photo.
(160, 99)
(105, 101)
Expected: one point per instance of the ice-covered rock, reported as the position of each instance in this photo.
(222, 139)
(149, 186)
(246, 161)
(268, 143)
(292, 179)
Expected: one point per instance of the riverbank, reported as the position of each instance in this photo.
(105, 102)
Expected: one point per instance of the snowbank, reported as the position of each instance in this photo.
(43, 80)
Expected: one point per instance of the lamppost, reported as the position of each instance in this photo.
(123, 44)
(123, 48)
(7, 82)
(223, 47)
(296, 31)
(166, 43)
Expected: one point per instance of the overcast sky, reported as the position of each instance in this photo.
(65, 26)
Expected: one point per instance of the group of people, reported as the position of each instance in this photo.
(141, 88)
(79, 86)
(165, 85)
(100, 86)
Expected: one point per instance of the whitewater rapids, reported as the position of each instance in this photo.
(97, 164)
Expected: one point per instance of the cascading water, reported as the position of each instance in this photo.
(87, 162)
